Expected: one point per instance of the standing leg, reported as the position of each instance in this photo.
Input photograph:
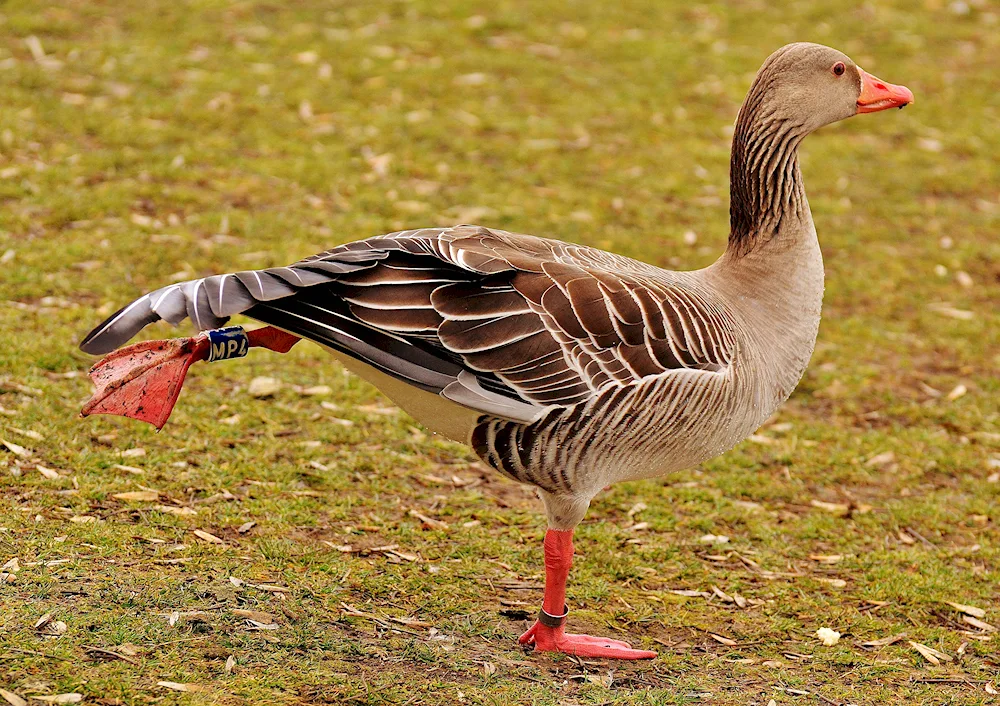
(548, 634)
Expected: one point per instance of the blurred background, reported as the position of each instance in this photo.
(149, 142)
(142, 140)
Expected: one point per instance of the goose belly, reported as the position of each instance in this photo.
(623, 433)
(439, 415)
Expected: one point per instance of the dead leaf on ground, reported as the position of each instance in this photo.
(316, 390)
(402, 555)
(18, 387)
(175, 510)
(636, 509)
(259, 586)
(409, 622)
(952, 312)
(15, 449)
(12, 698)
(263, 386)
(723, 640)
(49, 473)
(978, 624)
(968, 609)
(883, 641)
(144, 496)
(104, 653)
(604, 679)
(723, 596)
(879, 460)
(48, 627)
(208, 537)
(958, 391)
(176, 686)
(833, 508)
(930, 654)
(379, 409)
(874, 605)
(429, 521)
(714, 539)
(351, 549)
(836, 583)
(72, 698)
(827, 558)
(28, 433)
(689, 593)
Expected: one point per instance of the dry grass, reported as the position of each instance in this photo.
(139, 140)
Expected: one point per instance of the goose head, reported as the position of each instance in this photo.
(811, 85)
(800, 88)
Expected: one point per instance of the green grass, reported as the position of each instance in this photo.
(157, 138)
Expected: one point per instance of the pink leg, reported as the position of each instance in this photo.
(551, 635)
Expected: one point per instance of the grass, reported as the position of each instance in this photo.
(140, 140)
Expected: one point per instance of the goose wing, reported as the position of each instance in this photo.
(501, 323)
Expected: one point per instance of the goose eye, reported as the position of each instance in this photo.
(839, 68)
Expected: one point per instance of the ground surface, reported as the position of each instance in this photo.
(144, 142)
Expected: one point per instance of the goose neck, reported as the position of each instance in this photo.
(766, 192)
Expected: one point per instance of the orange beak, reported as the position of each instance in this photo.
(878, 95)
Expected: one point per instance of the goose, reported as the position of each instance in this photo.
(564, 367)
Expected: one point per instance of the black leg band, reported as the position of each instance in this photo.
(552, 621)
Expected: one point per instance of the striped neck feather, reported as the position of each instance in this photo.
(765, 182)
